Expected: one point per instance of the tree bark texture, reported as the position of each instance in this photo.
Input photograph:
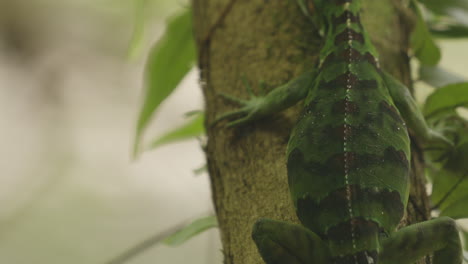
(272, 41)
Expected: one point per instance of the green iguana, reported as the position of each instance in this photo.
(348, 158)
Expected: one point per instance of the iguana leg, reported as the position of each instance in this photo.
(281, 243)
(410, 111)
(306, 7)
(438, 236)
(278, 99)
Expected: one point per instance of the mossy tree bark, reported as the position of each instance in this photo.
(272, 41)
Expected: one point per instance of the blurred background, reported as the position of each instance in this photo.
(70, 92)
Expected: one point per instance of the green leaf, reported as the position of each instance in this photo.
(451, 20)
(455, 9)
(437, 76)
(455, 128)
(424, 47)
(156, 239)
(457, 209)
(446, 98)
(450, 31)
(193, 128)
(450, 184)
(169, 61)
(138, 29)
(187, 232)
(440, 7)
(202, 169)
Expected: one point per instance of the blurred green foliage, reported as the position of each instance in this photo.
(169, 61)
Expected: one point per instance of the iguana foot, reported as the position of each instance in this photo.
(250, 109)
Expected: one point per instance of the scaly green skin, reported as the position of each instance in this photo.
(348, 158)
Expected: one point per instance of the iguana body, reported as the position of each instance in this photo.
(348, 158)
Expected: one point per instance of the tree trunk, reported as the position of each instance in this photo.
(272, 41)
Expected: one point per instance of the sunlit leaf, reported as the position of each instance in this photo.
(446, 98)
(193, 128)
(138, 29)
(169, 61)
(437, 76)
(422, 43)
(191, 230)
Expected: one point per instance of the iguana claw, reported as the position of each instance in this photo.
(250, 110)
